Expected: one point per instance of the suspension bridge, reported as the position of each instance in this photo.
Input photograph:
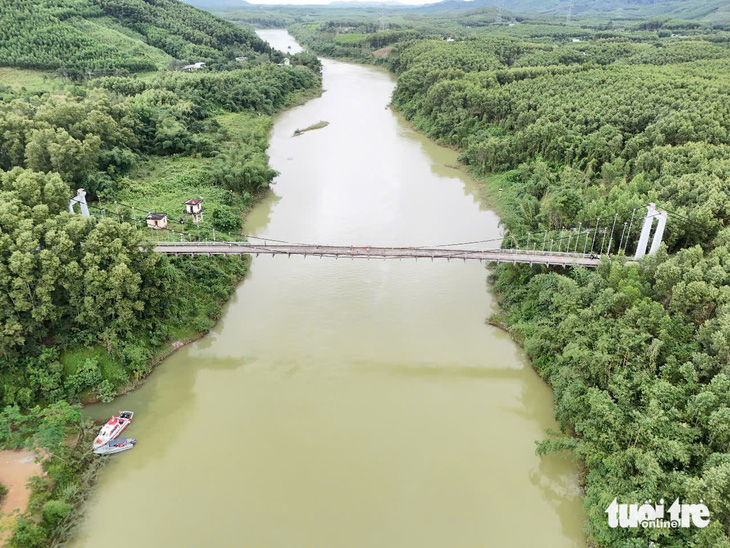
(352, 252)
(631, 234)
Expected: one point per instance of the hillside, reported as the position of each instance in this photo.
(710, 10)
(217, 4)
(105, 36)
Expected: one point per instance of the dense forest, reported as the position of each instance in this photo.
(82, 37)
(709, 10)
(85, 306)
(577, 121)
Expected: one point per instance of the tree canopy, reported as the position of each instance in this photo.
(82, 37)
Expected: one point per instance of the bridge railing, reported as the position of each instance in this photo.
(546, 252)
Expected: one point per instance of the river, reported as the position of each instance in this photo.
(343, 403)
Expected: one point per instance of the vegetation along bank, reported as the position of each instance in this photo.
(145, 106)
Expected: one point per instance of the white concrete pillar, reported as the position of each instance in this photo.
(80, 199)
(81, 193)
(659, 233)
(645, 231)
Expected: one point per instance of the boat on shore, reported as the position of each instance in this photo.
(116, 446)
(113, 428)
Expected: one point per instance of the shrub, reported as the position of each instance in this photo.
(54, 511)
(226, 220)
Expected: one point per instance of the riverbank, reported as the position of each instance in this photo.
(163, 184)
(179, 178)
(17, 467)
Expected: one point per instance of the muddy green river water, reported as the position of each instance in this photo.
(343, 403)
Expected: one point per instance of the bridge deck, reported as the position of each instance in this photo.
(496, 255)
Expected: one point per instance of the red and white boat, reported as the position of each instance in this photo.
(113, 428)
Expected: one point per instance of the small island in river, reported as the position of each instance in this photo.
(318, 125)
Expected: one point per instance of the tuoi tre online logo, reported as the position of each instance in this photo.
(654, 516)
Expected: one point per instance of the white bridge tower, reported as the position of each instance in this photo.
(651, 213)
(80, 199)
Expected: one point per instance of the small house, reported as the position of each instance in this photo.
(195, 208)
(158, 221)
(194, 66)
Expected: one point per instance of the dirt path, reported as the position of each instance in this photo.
(16, 468)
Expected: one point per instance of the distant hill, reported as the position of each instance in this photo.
(104, 36)
(217, 4)
(707, 10)
(710, 10)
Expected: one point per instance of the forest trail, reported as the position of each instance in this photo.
(16, 468)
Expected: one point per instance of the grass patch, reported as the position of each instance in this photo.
(318, 125)
(351, 38)
(105, 30)
(111, 370)
(500, 202)
(34, 81)
(162, 184)
(245, 126)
